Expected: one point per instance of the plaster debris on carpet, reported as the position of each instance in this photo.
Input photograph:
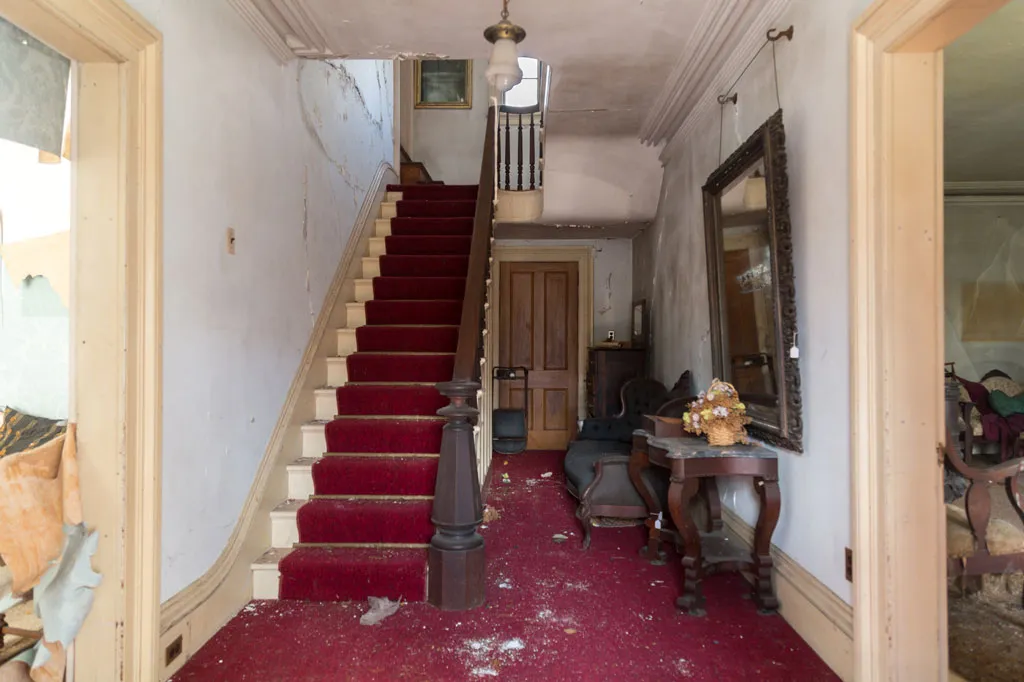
(380, 608)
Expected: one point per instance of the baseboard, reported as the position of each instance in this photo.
(820, 617)
(203, 607)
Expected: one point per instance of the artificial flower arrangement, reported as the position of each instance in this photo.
(719, 414)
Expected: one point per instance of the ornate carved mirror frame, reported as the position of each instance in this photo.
(782, 423)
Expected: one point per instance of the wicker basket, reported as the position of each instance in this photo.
(722, 434)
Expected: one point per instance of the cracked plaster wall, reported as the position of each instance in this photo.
(984, 245)
(284, 155)
(670, 271)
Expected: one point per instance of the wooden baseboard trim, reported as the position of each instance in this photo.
(203, 607)
(820, 617)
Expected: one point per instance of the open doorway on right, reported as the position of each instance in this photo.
(984, 332)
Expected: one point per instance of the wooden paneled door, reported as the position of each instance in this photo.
(539, 330)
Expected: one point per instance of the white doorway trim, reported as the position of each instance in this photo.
(116, 315)
(897, 347)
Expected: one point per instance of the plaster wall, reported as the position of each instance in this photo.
(284, 155)
(984, 245)
(613, 277)
(670, 271)
(450, 142)
(599, 179)
(35, 219)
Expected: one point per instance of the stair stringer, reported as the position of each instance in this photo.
(202, 608)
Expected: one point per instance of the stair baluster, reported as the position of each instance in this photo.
(520, 159)
(533, 152)
(508, 153)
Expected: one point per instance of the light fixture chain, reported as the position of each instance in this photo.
(504, 10)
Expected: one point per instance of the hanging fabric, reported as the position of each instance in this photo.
(33, 90)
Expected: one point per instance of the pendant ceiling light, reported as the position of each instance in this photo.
(503, 70)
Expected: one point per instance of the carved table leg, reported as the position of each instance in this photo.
(767, 519)
(714, 503)
(979, 510)
(680, 493)
(638, 463)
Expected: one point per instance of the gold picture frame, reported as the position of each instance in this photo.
(446, 88)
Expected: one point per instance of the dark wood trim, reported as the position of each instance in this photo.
(456, 556)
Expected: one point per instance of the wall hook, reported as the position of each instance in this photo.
(734, 97)
(774, 34)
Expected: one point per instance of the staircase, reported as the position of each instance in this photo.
(366, 525)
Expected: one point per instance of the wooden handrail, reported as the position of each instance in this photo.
(467, 357)
(456, 556)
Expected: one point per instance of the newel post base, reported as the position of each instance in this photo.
(456, 558)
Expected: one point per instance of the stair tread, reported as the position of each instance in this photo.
(270, 558)
(288, 506)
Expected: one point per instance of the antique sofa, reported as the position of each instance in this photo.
(597, 461)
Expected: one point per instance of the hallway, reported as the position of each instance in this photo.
(554, 612)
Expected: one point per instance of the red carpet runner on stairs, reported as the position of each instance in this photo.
(364, 532)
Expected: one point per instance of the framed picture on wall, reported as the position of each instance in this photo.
(444, 84)
(639, 339)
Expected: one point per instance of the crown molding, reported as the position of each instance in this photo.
(993, 188)
(263, 28)
(729, 34)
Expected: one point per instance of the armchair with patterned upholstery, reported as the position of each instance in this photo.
(597, 461)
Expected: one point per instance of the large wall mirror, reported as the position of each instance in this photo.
(750, 277)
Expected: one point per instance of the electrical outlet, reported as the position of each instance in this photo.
(849, 564)
(231, 241)
(172, 651)
(611, 336)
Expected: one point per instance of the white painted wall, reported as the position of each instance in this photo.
(450, 142)
(984, 243)
(613, 281)
(35, 201)
(599, 179)
(284, 155)
(670, 267)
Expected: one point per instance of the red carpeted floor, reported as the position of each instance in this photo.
(554, 613)
(375, 486)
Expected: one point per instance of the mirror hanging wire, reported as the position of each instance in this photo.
(773, 36)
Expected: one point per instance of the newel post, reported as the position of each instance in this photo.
(456, 557)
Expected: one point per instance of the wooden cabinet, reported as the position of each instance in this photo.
(607, 370)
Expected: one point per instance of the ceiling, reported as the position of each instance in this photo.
(610, 58)
(984, 106)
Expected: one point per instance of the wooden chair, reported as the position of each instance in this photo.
(979, 502)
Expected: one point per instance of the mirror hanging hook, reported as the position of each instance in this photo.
(775, 34)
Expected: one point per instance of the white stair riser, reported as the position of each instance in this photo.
(337, 372)
(388, 210)
(378, 247)
(371, 267)
(300, 482)
(346, 341)
(326, 405)
(284, 531)
(382, 227)
(393, 196)
(265, 582)
(314, 441)
(355, 315)
(364, 290)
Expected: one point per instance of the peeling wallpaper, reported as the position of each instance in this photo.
(984, 245)
(284, 155)
(669, 269)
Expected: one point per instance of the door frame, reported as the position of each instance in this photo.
(897, 339)
(583, 256)
(116, 316)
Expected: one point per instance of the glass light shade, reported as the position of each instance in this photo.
(503, 70)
